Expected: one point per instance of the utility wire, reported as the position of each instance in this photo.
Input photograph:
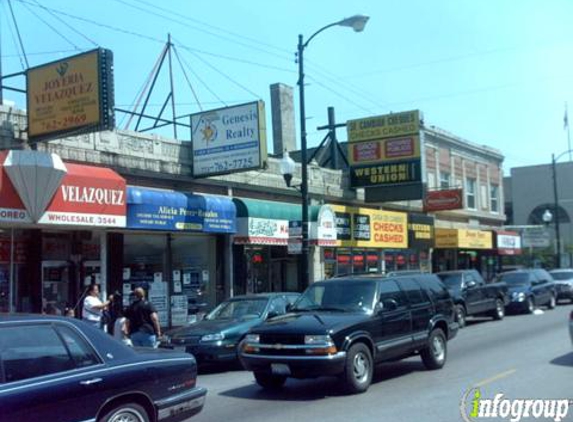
(15, 41)
(50, 26)
(18, 33)
(187, 79)
(85, 37)
(233, 34)
(186, 25)
(338, 94)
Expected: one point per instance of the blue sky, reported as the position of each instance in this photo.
(495, 72)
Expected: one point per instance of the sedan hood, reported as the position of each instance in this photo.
(310, 322)
(209, 327)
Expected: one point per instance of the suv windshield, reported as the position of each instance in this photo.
(451, 280)
(238, 309)
(352, 295)
(562, 275)
(516, 279)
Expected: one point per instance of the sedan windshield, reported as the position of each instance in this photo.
(238, 309)
(339, 296)
(515, 279)
(451, 280)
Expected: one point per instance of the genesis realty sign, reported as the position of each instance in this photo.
(229, 140)
(71, 96)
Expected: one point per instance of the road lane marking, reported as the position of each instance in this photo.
(495, 378)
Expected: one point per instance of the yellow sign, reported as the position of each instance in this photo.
(463, 238)
(386, 126)
(369, 228)
(63, 95)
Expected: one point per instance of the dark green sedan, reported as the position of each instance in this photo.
(216, 337)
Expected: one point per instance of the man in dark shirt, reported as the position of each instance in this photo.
(142, 321)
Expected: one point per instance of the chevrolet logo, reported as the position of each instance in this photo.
(277, 346)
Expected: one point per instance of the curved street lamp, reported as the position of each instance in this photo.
(357, 23)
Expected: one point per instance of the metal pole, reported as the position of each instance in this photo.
(170, 46)
(333, 140)
(556, 212)
(304, 267)
(11, 295)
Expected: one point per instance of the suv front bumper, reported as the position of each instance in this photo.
(299, 366)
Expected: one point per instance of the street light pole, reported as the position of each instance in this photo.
(357, 23)
(556, 212)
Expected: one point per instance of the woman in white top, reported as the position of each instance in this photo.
(93, 307)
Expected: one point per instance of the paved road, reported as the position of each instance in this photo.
(523, 356)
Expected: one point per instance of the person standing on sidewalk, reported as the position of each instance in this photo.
(93, 307)
(142, 321)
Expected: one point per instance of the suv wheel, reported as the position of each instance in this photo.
(552, 303)
(128, 412)
(358, 371)
(434, 355)
(460, 316)
(499, 311)
(270, 381)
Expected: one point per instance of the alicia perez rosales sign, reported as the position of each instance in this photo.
(71, 96)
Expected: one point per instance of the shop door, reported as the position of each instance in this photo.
(55, 286)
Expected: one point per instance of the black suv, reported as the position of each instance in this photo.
(342, 327)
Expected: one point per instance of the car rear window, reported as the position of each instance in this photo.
(562, 275)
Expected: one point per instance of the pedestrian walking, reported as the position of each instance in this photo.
(142, 321)
(120, 330)
(93, 307)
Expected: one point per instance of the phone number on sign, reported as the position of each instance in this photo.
(235, 164)
(68, 121)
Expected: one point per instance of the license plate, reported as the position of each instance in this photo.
(280, 369)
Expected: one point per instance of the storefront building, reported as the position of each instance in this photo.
(364, 235)
(458, 249)
(54, 222)
(175, 247)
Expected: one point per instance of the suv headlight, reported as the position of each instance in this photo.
(318, 340)
(213, 337)
(518, 296)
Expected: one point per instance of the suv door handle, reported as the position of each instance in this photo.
(92, 381)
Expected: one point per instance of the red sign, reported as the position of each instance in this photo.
(88, 196)
(441, 200)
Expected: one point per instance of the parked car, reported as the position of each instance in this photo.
(62, 369)
(529, 288)
(343, 327)
(215, 338)
(473, 296)
(563, 283)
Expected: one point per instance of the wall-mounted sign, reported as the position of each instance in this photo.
(365, 227)
(71, 96)
(420, 231)
(229, 140)
(463, 239)
(535, 237)
(508, 243)
(323, 231)
(386, 151)
(441, 200)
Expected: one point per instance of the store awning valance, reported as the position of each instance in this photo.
(266, 222)
(155, 209)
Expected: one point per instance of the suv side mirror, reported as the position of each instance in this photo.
(289, 307)
(470, 284)
(388, 305)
